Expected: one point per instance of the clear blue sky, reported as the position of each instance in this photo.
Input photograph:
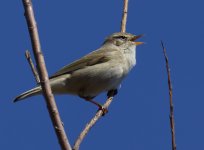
(139, 115)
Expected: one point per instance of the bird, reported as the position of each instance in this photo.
(102, 70)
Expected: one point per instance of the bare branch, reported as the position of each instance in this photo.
(51, 105)
(124, 17)
(34, 71)
(93, 121)
(171, 116)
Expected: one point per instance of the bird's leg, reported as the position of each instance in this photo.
(112, 93)
(100, 107)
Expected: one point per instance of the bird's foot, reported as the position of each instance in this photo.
(103, 109)
(100, 107)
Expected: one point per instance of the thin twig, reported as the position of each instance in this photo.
(92, 122)
(49, 98)
(34, 71)
(124, 17)
(171, 116)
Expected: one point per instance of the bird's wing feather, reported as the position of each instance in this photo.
(96, 57)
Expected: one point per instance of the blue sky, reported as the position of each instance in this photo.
(139, 115)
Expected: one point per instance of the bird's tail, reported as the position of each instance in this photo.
(35, 91)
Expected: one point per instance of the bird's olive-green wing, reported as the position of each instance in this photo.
(91, 59)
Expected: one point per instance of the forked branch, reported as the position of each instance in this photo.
(44, 80)
(30, 62)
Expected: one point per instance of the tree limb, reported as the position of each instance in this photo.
(44, 80)
(124, 17)
(92, 122)
(171, 116)
(34, 71)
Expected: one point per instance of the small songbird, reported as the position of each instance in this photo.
(100, 71)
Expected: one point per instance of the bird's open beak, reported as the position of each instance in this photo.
(137, 37)
(139, 43)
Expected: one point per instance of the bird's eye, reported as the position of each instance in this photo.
(122, 37)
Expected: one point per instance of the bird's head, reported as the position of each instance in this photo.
(122, 39)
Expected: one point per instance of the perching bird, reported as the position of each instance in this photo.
(100, 71)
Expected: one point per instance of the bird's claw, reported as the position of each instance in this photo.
(103, 109)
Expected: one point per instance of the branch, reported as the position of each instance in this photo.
(34, 71)
(49, 98)
(92, 122)
(171, 116)
(124, 17)
(100, 113)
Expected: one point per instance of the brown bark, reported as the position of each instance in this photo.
(44, 80)
(171, 116)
